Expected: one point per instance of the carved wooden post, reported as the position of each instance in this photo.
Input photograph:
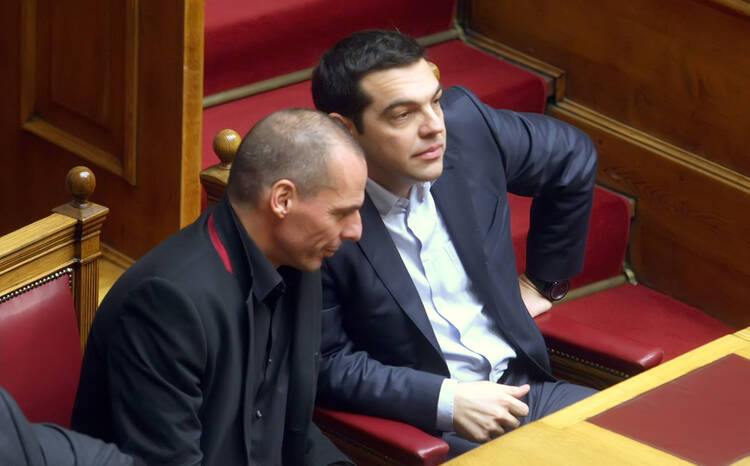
(80, 181)
(214, 178)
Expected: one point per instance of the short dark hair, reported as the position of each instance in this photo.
(294, 144)
(335, 81)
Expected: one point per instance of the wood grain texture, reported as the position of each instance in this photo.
(79, 82)
(677, 69)
(192, 111)
(167, 192)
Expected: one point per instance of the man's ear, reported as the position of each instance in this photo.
(347, 122)
(283, 194)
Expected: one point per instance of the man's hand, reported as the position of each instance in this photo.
(535, 302)
(485, 410)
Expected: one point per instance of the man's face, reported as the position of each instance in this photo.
(403, 129)
(317, 225)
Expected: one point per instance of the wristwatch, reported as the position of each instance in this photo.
(554, 290)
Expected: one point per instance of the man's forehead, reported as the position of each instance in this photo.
(412, 82)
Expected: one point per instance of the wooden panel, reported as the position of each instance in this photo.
(168, 75)
(677, 69)
(79, 81)
(690, 238)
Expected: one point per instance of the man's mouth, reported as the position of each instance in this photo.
(431, 153)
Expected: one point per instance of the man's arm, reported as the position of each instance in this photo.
(352, 380)
(535, 303)
(155, 365)
(23, 443)
(556, 164)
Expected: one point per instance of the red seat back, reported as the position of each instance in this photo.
(40, 352)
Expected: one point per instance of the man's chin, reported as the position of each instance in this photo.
(431, 173)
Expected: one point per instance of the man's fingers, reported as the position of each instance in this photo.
(518, 408)
(515, 405)
(521, 391)
(516, 392)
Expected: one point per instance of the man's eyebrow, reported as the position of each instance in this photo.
(346, 209)
(398, 103)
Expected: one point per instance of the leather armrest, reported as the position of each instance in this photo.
(383, 438)
(597, 346)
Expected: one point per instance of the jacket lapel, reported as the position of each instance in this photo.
(378, 248)
(454, 201)
(303, 364)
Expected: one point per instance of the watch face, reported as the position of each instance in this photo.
(559, 289)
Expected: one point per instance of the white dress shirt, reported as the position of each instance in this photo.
(470, 341)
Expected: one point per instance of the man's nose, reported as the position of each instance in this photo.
(433, 123)
(353, 230)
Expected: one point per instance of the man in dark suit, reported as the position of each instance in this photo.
(26, 444)
(206, 350)
(423, 319)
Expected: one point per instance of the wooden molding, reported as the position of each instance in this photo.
(657, 146)
(527, 61)
(122, 160)
(32, 252)
(74, 144)
(583, 372)
(741, 7)
(116, 257)
(192, 112)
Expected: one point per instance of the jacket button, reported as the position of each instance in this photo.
(258, 414)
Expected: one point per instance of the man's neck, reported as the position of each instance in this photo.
(258, 229)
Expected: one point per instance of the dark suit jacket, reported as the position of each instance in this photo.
(25, 444)
(168, 369)
(380, 355)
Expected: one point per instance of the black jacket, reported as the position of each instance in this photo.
(168, 365)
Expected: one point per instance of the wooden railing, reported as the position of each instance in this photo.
(68, 238)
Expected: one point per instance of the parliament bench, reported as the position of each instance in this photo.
(48, 297)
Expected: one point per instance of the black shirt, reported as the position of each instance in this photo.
(271, 333)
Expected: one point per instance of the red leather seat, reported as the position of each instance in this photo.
(40, 351)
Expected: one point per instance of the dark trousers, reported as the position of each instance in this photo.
(544, 398)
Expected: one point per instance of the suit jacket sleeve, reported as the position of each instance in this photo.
(24, 443)
(555, 163)
(155, 367)
(352, 380)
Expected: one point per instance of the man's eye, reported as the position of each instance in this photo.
(401, 116)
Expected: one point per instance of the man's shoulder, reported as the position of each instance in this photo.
(183, 263)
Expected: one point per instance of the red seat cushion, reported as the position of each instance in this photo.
(249, 41)
(40, 352)
(645, 316)
(607, 240)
